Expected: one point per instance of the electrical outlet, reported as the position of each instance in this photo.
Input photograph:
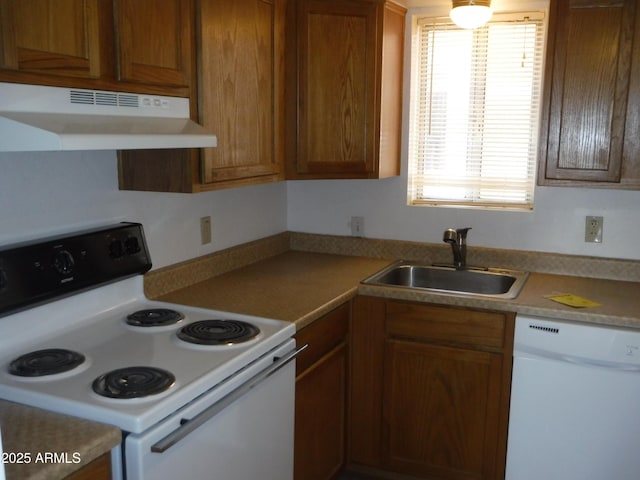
(357, 226)
(593, 229)
(205, 230)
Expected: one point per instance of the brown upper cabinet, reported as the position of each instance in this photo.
(155, 41)
(57, 38)
(342, 64)
(143, 46)
(240, 55)
(345, 63)
(242, 89)
(591, 104)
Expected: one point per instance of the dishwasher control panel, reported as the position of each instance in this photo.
(577, 342)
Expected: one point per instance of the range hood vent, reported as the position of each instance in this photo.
(114, 99)
(39, 118)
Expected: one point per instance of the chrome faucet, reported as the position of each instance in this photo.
(458, 241)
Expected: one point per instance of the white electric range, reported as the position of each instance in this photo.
(187, 386)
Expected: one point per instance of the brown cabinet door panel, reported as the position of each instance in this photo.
(55, 37)
(344, 95)
(589, 65)
(441, 409)
(337, 85)
(430, 389)
(321, 396)
(154, 40)
(241, 91)
(320, 418)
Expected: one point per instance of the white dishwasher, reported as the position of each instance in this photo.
(575, 402)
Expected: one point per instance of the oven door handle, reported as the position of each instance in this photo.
(190, 425)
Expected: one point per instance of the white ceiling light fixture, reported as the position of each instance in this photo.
(470, 13)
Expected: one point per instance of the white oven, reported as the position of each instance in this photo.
(249, 435)
(197, 393)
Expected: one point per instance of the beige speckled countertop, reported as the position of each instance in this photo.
(35, 432)
(620, 301)
(302, 286)
(294, 286)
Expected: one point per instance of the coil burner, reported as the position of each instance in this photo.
(45, 362)
(154, 317)
(133, 382)
(218, 332)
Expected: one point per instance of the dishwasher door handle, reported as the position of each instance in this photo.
(537, 354)
(189, 425)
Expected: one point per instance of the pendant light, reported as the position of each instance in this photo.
(470, 13)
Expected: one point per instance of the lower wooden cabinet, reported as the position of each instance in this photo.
(99, 469)
(430, 389)
(321, 394)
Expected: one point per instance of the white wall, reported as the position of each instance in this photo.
(47, 193)
(555, 225)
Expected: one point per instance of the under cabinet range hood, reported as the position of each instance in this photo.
(40, 118)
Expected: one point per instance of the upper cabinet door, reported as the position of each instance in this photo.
(337, 72)
(588, 70)
(242, 89)
(123, 45)
(154, 39)
(346, 97)
(55, 37)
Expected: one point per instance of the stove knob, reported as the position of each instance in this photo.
(63, 262)
(116, 249)
(131, 245)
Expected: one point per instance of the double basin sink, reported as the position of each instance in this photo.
(490, 282)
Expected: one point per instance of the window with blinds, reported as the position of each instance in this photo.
(475, 112)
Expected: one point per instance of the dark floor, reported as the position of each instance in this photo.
(355, 476)
(363, 476)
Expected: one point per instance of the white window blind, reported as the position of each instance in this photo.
(475, 112)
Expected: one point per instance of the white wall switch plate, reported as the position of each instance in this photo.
(357, 226)
(205, 230)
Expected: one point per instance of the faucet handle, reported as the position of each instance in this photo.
(462, 232)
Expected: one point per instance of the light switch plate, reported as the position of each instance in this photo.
(357, 226)
(205, 230)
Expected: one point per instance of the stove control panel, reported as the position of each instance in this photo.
(43, 270)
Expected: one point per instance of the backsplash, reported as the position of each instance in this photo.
(184, 274)
(561, 264)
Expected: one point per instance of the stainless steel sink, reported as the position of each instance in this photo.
(492, 282)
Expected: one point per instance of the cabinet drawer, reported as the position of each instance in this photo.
(446, 324)
(322, 336)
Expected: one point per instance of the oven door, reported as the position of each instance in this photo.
(241, 429)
